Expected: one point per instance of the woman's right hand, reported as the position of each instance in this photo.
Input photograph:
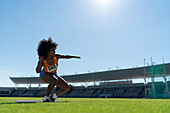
(41, 58)
(40, 64)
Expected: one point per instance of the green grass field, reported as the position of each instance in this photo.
(86, 105)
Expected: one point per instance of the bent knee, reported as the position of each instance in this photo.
(67, 88)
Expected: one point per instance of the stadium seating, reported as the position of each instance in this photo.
(119, 93)
(30, 92)
(103, 91)
(18, 92)
(6, 91)
(76, 92)
(98, 92)
(108, 92)
(88, 92)
(41, 92)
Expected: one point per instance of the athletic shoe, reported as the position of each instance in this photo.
(52, 99)
(47, 100)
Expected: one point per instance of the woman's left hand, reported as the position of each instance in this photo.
(77, 57)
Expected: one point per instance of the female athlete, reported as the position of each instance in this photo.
(49, 61)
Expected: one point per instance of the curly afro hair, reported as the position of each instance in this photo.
(45, 46)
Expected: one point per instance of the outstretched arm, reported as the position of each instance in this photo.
(66, 56)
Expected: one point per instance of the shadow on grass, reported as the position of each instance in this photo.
(6, 103)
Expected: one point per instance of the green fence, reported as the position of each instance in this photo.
(158, 89)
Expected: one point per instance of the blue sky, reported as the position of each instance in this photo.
(105, 33)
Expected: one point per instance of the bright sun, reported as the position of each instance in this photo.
(104, 1)
(104, 4)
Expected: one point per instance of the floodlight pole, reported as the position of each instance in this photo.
(152, 75)
(145, 77)
(166, 84)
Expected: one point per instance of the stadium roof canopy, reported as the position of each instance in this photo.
(132, 73)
